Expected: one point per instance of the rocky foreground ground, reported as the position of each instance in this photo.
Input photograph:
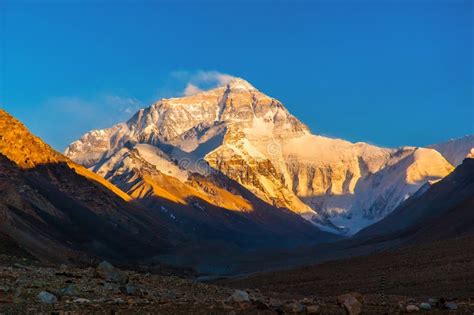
(105, 289)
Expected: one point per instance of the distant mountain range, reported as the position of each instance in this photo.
(209, 179)
(252, 140)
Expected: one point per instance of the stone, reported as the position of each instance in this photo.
(111, 287)
(275, 303)
(401, 306)
(69, 290)
(412, 308)
(118, 301)
(425, 306)
(294, 307)
(351, 303)
(128, 289)
(451, 306)
(226, 306)
(312, 309)
(358, 296)
(19, 295)
(109, 273)
(240, 296)
(47, 298)
(81, 301)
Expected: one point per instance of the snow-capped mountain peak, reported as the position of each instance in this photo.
(251, 138)
(239, 84)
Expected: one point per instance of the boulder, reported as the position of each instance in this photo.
(425, 306)
(275, 303)
(351, 303)
(109, 273)
(128, 289)
(412, 308)
(69, 290)
(312, 309)
(47, 298)
(240, 296)
(294, 307)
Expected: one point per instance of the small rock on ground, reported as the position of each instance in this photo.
(47, 298)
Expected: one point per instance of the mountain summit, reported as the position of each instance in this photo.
(252, 139)
(240, 84)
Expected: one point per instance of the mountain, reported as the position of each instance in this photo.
(445, 210)
(251, 138)
(456, 150)
(60, 211)
(190, 128)
(57, 210)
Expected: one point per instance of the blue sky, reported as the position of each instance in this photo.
(387, 72)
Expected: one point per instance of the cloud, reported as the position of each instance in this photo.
(105, 107)
(66, 118)
(213, 76)
(191, 89)
(197, 81)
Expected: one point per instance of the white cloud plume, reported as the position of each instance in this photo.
(197, 81)
(213, 76)
(191, 89)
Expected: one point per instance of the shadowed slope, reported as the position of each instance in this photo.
(445, 210)
(56, 209)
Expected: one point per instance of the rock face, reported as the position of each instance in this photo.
(253, 140)
(23, 148)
